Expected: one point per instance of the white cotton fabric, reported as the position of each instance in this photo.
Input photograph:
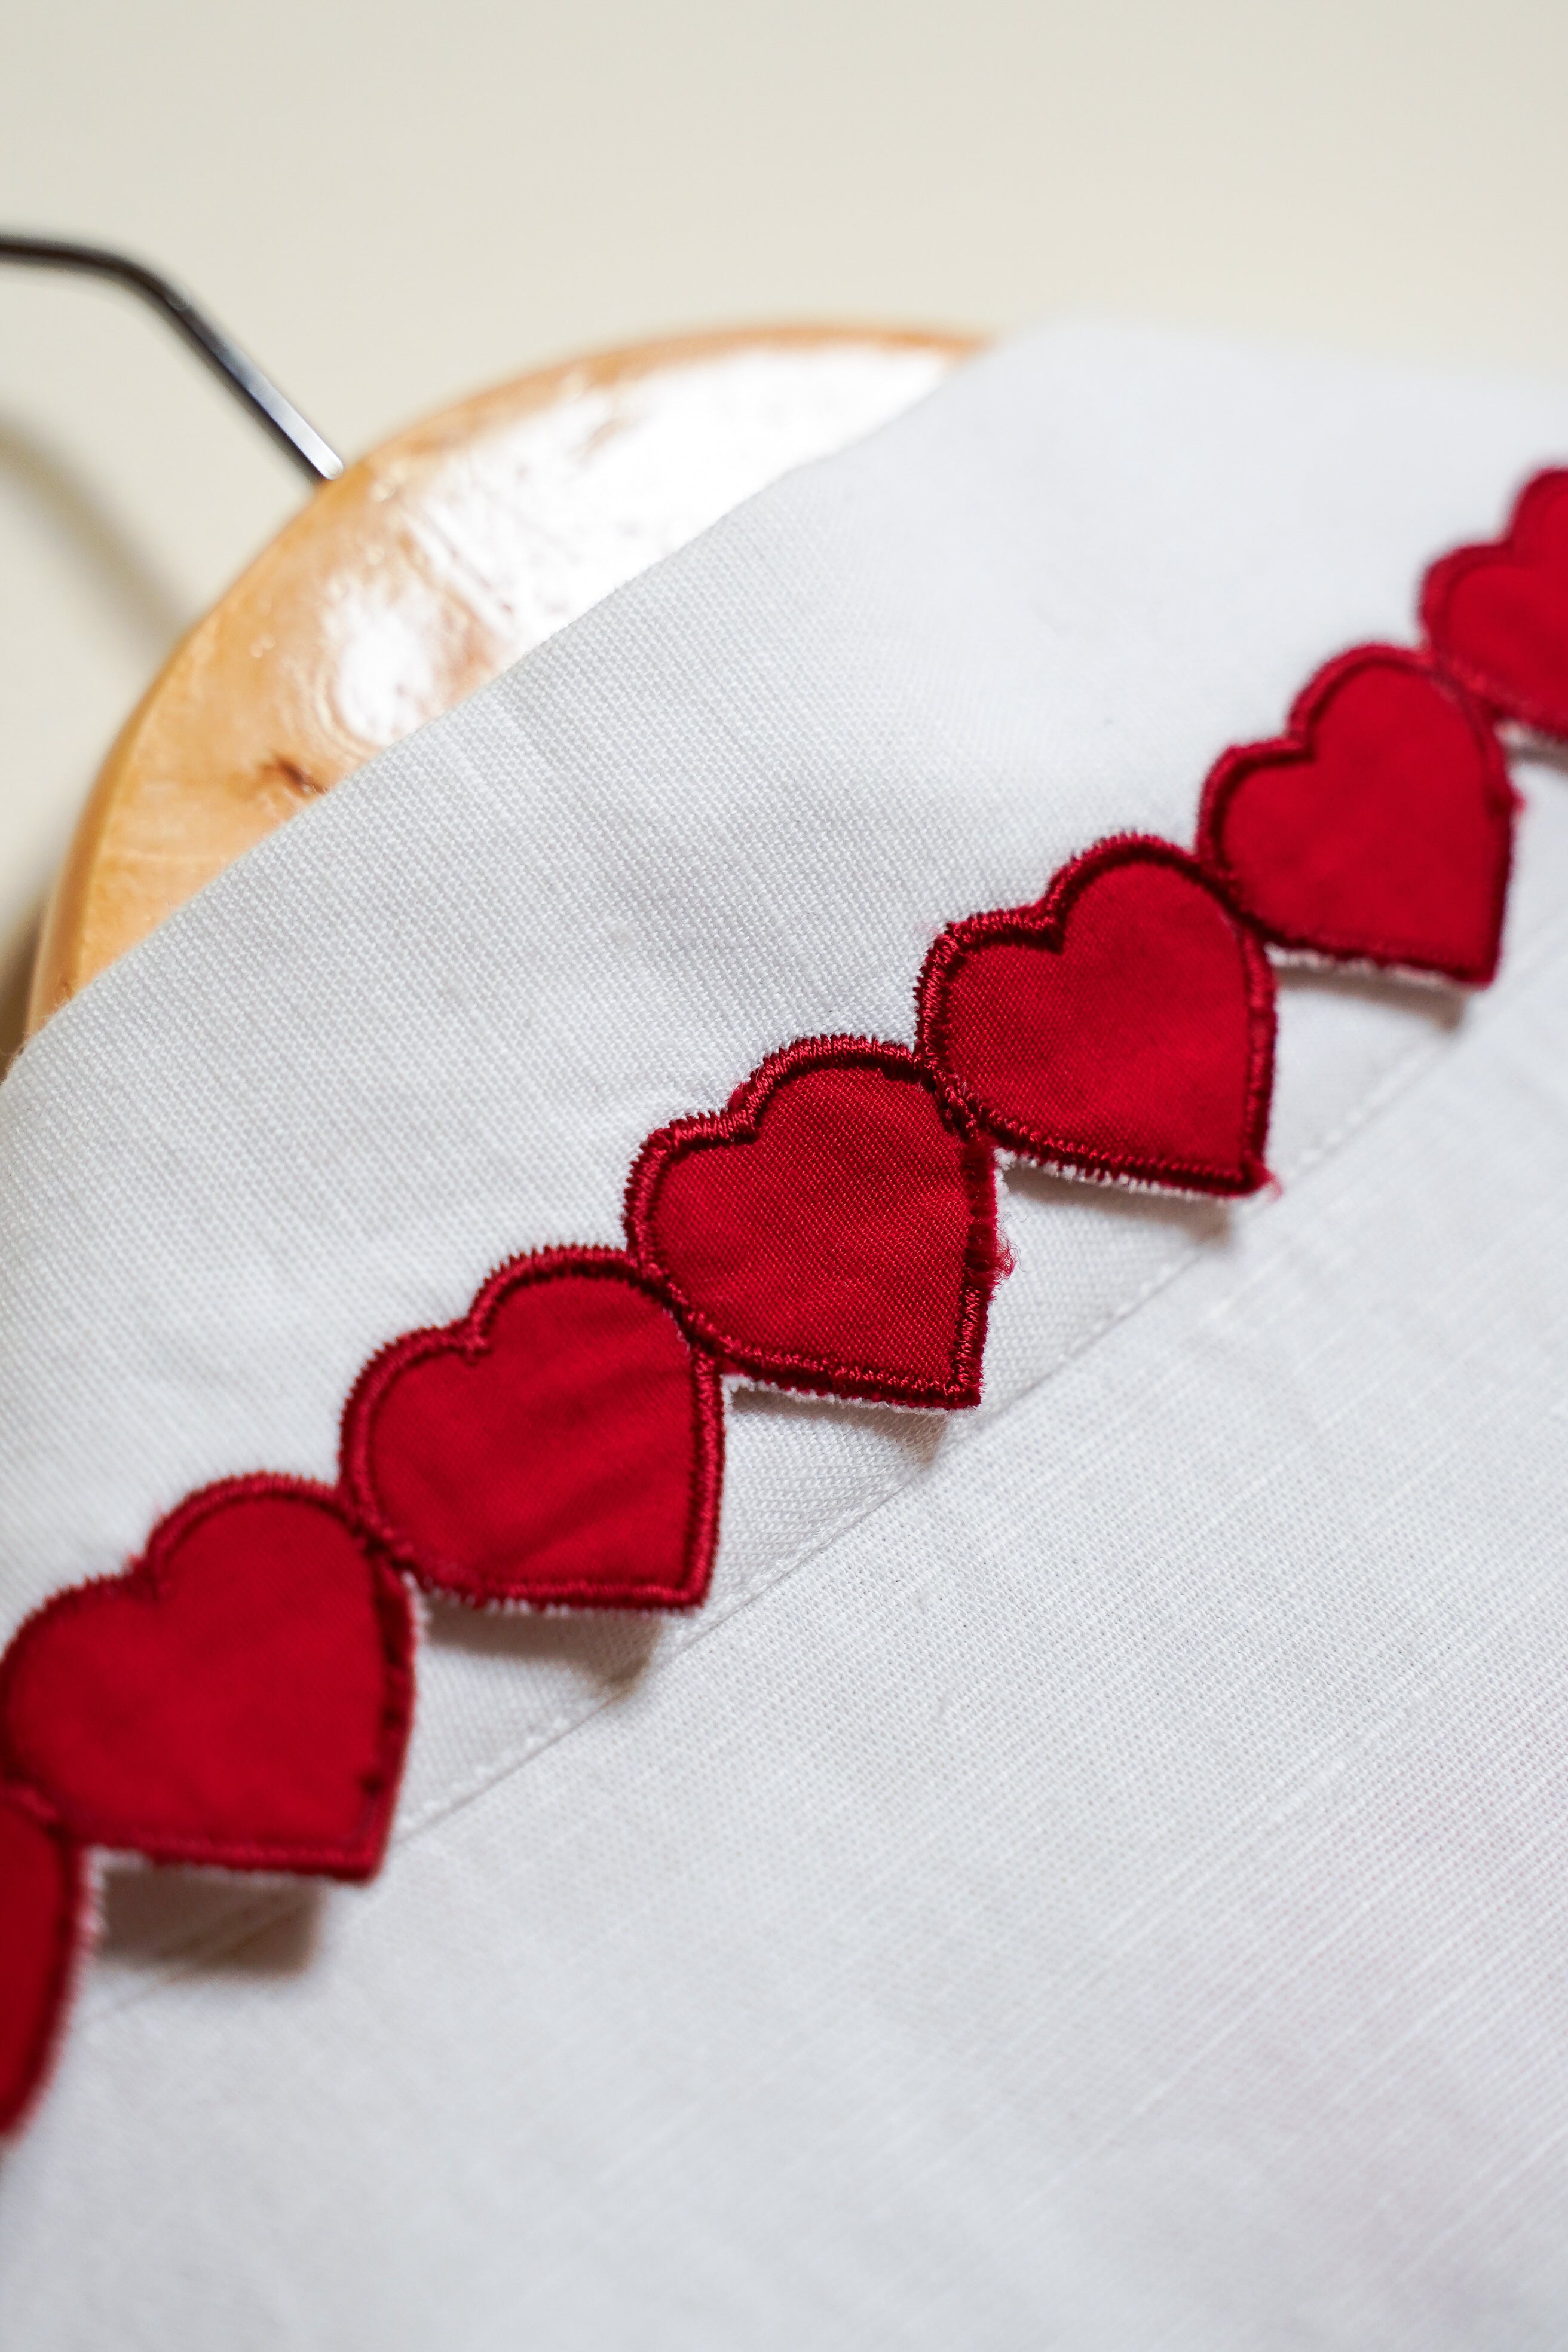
(1091, 1875)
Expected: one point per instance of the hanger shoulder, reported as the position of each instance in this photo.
(427, 568)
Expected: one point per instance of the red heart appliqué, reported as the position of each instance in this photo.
(1495, 615)
(40, 1920)
(833, 1229)
(560, 1445)
(241, 1696)
(1379, 830)
(1121, 1026)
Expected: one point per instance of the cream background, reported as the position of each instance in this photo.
(393, 204)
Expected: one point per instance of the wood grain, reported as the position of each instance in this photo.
(431, 565)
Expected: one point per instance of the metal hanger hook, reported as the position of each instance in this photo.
(260, 394)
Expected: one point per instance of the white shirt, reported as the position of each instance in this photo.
(1092, 1873)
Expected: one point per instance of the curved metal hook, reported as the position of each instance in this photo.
(243, 378)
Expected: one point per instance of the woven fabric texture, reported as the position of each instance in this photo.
(1091, 1871)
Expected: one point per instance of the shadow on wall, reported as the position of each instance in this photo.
(52, 494)
(141, 605)
(17, 953)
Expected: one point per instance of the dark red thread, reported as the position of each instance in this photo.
(1377, 830)
(833, 1229)
(1496, 615)
(239, 1697)
(42, 1914)
(1121, 1026)
(560, 1445)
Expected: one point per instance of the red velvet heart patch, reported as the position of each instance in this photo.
(40, 1916)
(1495, 615)
(1121, 1026)
(1379, 830)
(561, 1446)
(240, 1697)
(833, 1229)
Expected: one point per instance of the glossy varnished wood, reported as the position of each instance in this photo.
(427, 568)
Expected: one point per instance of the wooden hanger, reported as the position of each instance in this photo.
(425, 569)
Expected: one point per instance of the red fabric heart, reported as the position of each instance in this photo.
(832, 1229)
(1495, 615)
(561, 1446)
(1379, 830)
(240, 1697)
(1121, 1026)
(40, 1917)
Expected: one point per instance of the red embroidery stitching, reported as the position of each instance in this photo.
(1377, 830)
(833, 1229)
(1121, 1026)
(561, 1445)
(240, 1697)
(1496, 615)
(43, 1906)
